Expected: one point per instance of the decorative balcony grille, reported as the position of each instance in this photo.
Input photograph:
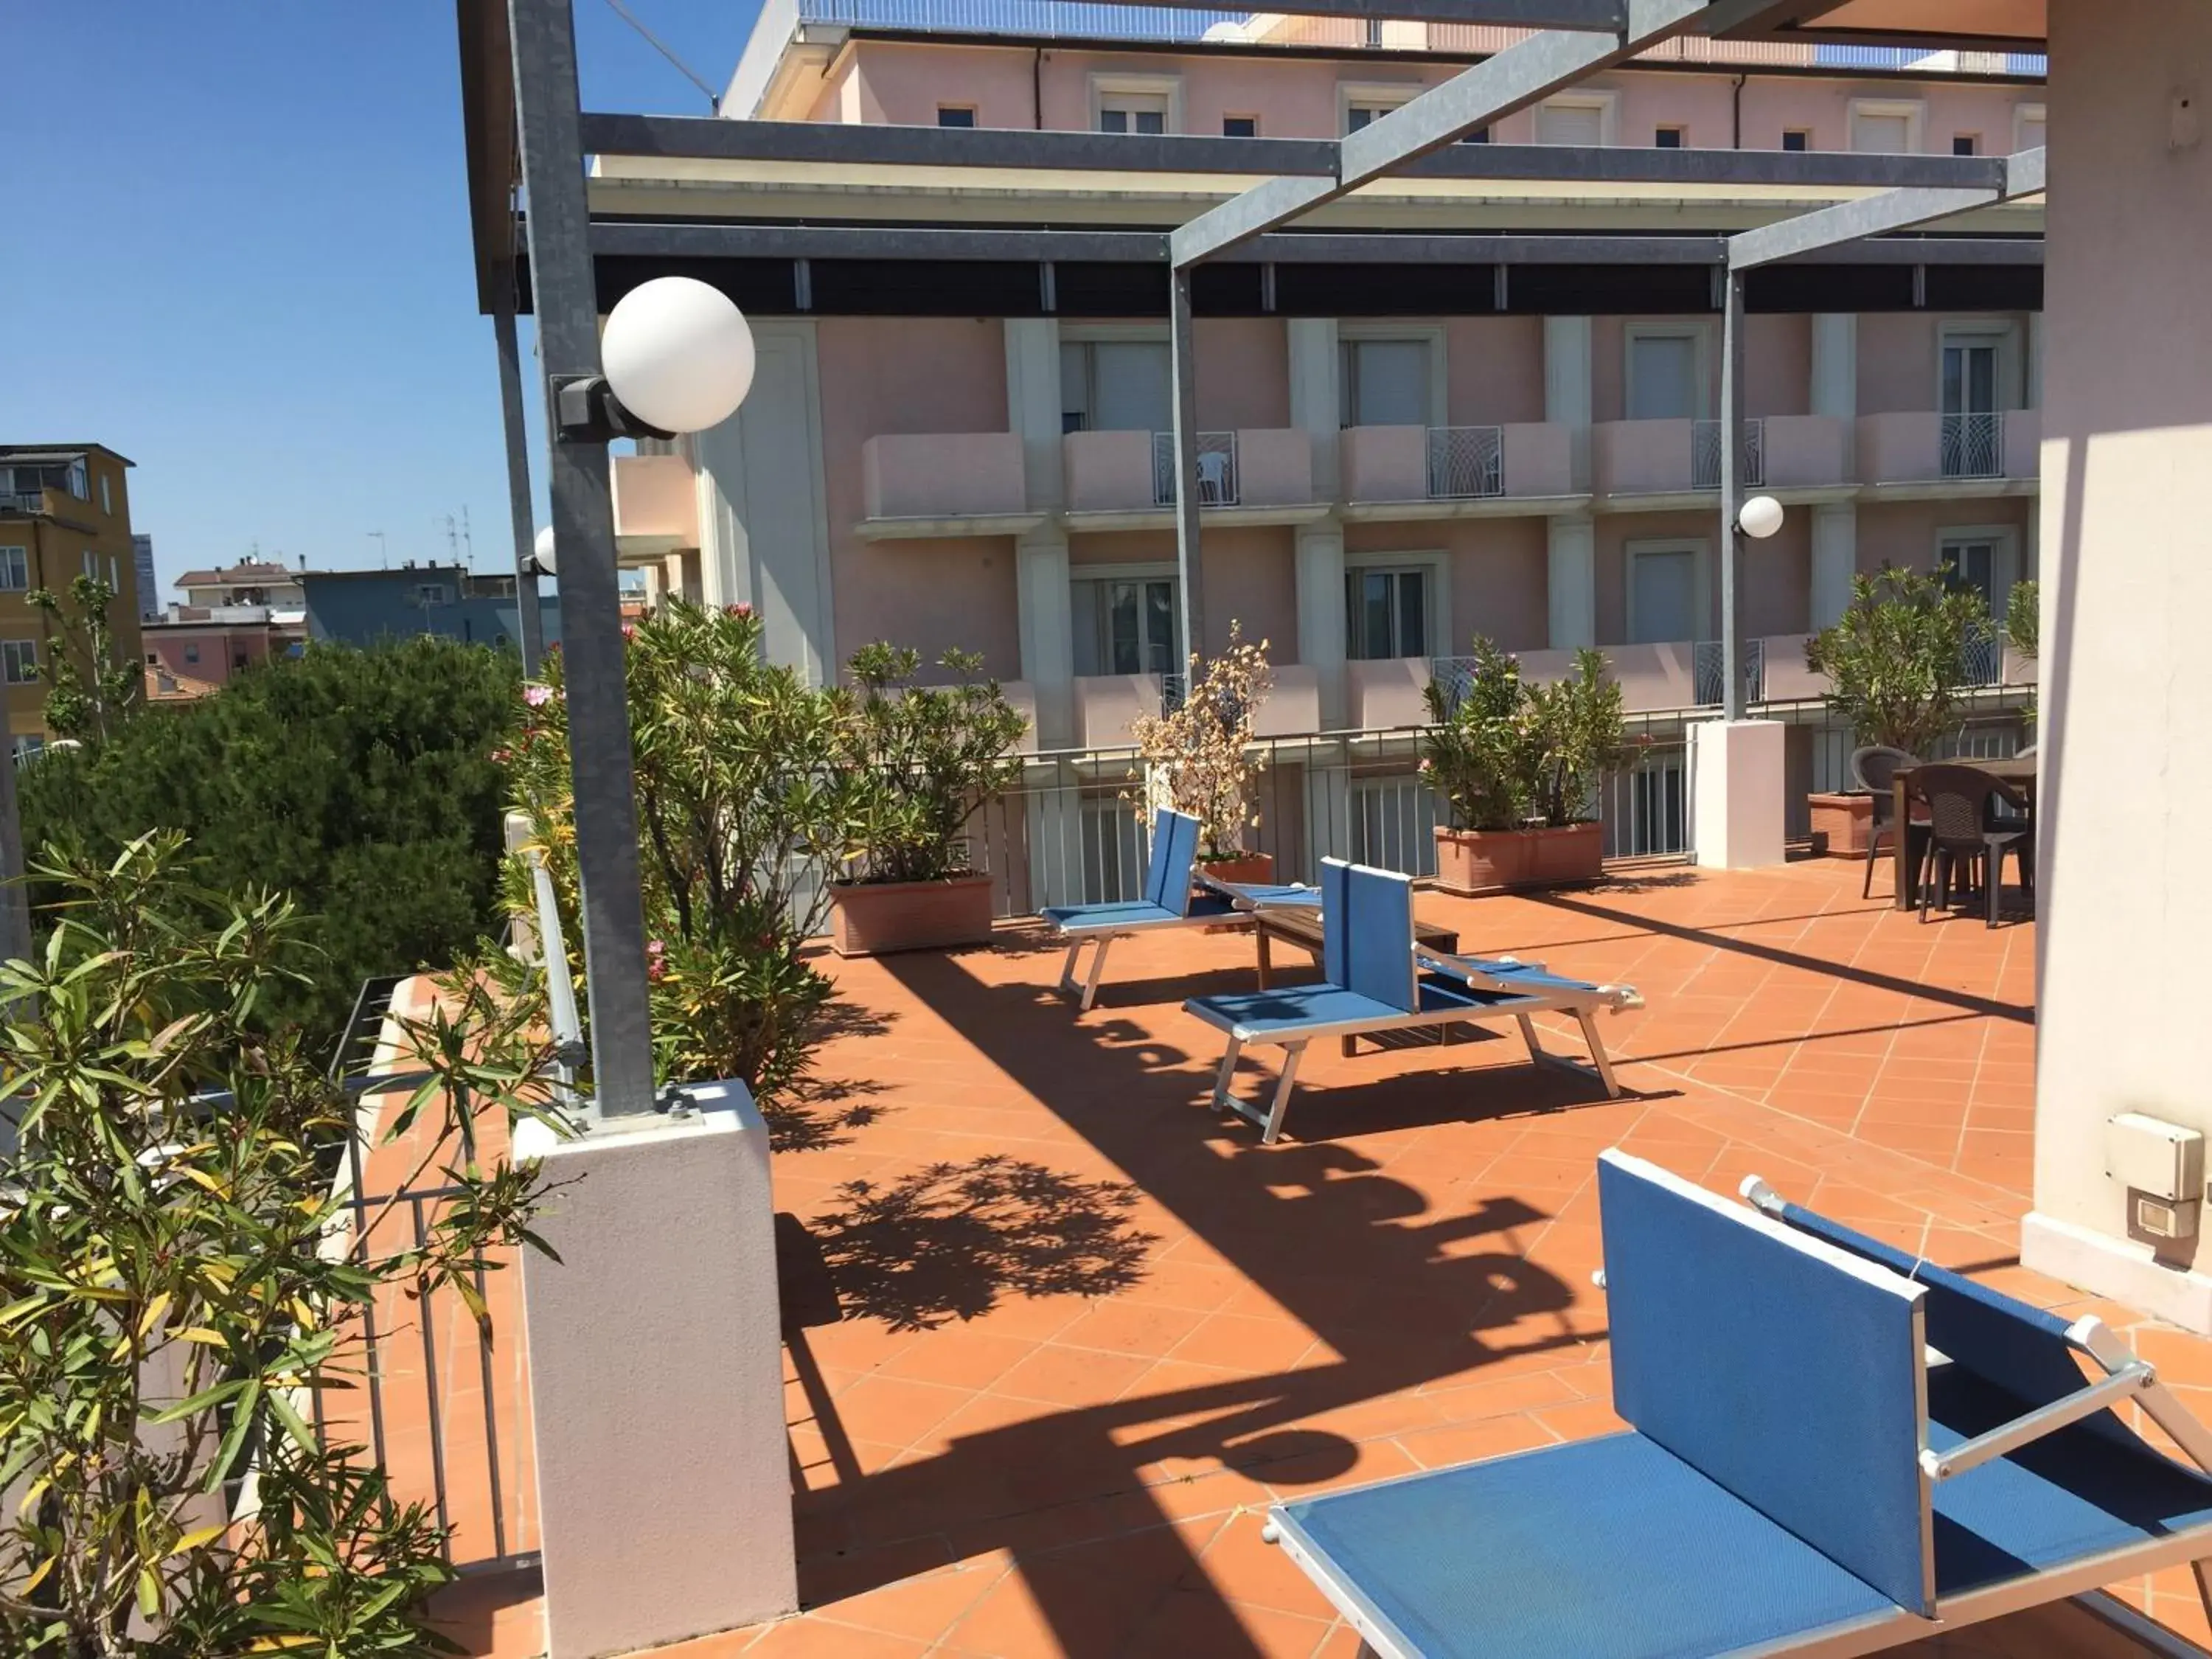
(1705, 455)
(1972, 446)
(1216, 469)
(1981, 662)
(1710, 677)
(1466, 462)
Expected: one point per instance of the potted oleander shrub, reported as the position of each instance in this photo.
(2023, 629)
(1517, 768)
(926, 759)
(1199, 759)
(1896, 663)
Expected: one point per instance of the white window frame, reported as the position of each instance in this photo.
(430, 593)
(1914, 110)
(1606, 104)
(1144, 570)
(1104, 88)
(1432, 334)
(1701, 581)
(974, 114)
(14, 651)
(2004, 334)
(2022, 115)
(1229, 115)
(2005, 537)
(107, 495)
(1700, 336)
(1385, 95)
(1434, 562)
(10, 558)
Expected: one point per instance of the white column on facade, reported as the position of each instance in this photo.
(1570, 578)
(1835, 558)
(1316, 409)
(2034, 389)
(1567, 386)
(1033, 413)
(2125, 678)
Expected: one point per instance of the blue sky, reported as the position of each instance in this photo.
(238, 253)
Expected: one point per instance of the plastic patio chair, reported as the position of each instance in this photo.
(1875, 768)
(1961, 833)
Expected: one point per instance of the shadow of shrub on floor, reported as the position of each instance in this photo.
(948, 1241)
(816, 1113)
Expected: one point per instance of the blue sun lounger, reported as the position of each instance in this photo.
(1168, 902)
(1801, 1475)
(1377, 978)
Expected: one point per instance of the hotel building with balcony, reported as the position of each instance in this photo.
(1396, 454)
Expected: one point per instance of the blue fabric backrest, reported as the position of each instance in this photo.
(1367, 933)
(1174, 849)
(2004, 1342)
(1786, 1371)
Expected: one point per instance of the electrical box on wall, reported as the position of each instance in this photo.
(2162, 1166)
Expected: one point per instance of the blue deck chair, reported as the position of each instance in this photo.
(1801, 1475)
(1168, 901)
(1375, 978)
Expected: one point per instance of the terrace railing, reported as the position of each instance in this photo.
(1971, 446)
(1705, 455)
(1216, 469)
(1708, 664)
(1466, 462)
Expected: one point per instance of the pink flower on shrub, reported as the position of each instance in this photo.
(656, 959)
(501, 757)
(629, 630)
(737, 609)
(537, 696)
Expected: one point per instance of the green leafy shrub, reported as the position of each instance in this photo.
(1897, 660)
(175, 1286)
(1505, 754)
(741, 785)
(929, 755)
(360, 783)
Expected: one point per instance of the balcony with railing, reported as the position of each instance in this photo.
(1453, 470)
(1126, 480)
(944, 483)
(1913, 450)
(1666, 457)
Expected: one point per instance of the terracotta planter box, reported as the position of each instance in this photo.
(1246, 869)
(1472, 862)
(1843, 821)
(871, 918)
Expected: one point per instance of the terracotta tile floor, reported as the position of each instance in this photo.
(1089, 1330)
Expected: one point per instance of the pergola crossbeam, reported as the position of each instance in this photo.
(1876, 216)
(1520, 76)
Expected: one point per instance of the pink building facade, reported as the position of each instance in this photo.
(1394, 457)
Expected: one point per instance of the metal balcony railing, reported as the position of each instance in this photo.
(1082, 19)
(13, 501)
(1216, 469)
(1709, 673)
(1466, 462)
(1705, 455)
(1972, 446)
(1982, 663)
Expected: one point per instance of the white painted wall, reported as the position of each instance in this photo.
(2126, 556)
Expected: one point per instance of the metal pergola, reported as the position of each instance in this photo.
(525, 129)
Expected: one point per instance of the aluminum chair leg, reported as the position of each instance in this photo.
(1274, 1124)
(1221, 1079)
(1068, 988)
(1598, 1057)
(1097, 972)
(1537, 1051)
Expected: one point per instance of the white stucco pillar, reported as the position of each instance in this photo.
(1835, 378)
(1033, 413)
(1319, 557)
(2126, 560)
(1835, 557)
(1046, 614)
(1737, 801)
(1315, 401)
(656, 1380)
(1570, 573)
(1567, 387)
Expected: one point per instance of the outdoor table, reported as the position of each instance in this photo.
(2015, 769)
(1300, 925)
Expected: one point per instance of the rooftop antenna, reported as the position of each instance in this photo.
(713, 98)
(452, 539)
(468, 541)
(383, 548)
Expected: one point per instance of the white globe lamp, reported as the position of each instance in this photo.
(541, 552)
(1760, 517)
(678, 353)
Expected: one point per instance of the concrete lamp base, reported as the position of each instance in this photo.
(1736, 800)
(656, 1380)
